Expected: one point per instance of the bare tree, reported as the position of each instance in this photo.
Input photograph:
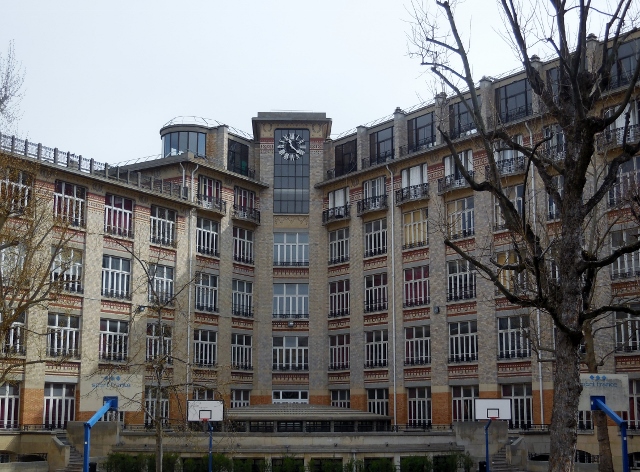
(559, 269)
(11, 92)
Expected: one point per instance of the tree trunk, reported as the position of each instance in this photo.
(158, 420)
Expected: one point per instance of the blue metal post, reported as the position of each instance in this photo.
(108, 405)
(486, 444)
(597, 403)
(210, 446)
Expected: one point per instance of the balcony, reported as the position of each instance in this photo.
(338, 260)
(381, 158)
(460, 131)
(212, 203)
(462, 233)
(376, 203)
(339, 366)
(243, 259)
(453, 182)
(242, 170)
(376, 251)
(290, 367)
(241, 366)
(245, 311)
(473, 357)
(336, 214)
(615, 138)
(375, 364)
(514, 354)
(207, 307)
(625, 189)
(337, 172)
(415, 245)
(378, 305)
(414, 362)
(416, 303)
(339, 313)
(246, 214)
(421, 145)
(412, 193)
(119, 294)
(457, 295)
(511, 166)
(68, 353)
(518, 113)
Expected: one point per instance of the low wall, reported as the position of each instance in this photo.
(42, 466)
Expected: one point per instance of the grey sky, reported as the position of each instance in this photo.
(103, 77)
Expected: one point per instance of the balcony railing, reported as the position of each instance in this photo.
(379, 305)
(246, 213)
(625, 273)
(289, 367)
(241, 366)
(339, 313)
(335, 172)
(374, 364)
(514, 354)
(381, 158)
(414, 245)
(554, 152)
(243, 259)
(291, 316)
(625, 189)
(417, 302)
(464, 130)
(336, 214)
(376, 251)
(452, 182)
(511, 166)
(213, 203)
(614, 138)
(339, 366)
(515, 114)
(456, 295)
(242, 170)
(473, 357)
(421, 145)
(424, 361)
(338, 260)
(462, 233)
(208, 307)
(121, 294)
(414, 192)
(244, 311)
(376, 203)
(67, 209)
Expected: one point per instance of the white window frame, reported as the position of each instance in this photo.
(417, 345)
(63, 335)
(521, 396)
(509, 278)
(244, 202)
(453, 177)
(116, 277)
(374, 193)
(159, 346)
(14, 342)
(376, 348)
(339, 246)
(207, 237)
(463, 402)
(290, 353)
(627, 265)
(375, 292)
(415, 228)
(461, 217)
(241, 351)
(627, 332)
(513, 337)
(118, 219)
(461, 279)
(339, 298)
(150, 406)
(553, 210)
(69, 203)
(10, 406)
(515, 194)
(414, 182)
(205, 347)
(209, 192)
(16, 186)
(67, 269)
(419, 407)
(242, 294)
(163, 226)
(290, 300)
(59, 409)
(555, 146)
(293, 396)
(291, 249)
(206, 288)
(242, 245)
(375, 237)
(416, 286)
(634, 404)
(113, 345)
(341, 398)
(378, 401)
(339, 351)
(508, 161)
(161, 284)
(240, 398)
(338, 203)
(463, 341)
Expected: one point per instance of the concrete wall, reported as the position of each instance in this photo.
(25, 467)
(104, 435)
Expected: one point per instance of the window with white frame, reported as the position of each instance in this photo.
(161, 284)
(241, 351)
(202, 393)
(207, 237)
(554, 146)
(242, 293)
(210, 193)
(339, 246)
(338, 203)
(419, 406)
(14, 341)
(339, 298)
(513, 337)
(16, 188)
(416, 286)
(206, 292)
(116, 277)
(290, 353)
(291, 249)
(553, 208)
(375, 237)
(461, 280)
(12, 264)
(414, 183)
(9, 406)
(463, 341)
(374, 194)
(378, 401)
(627, 332)
(118, 216)
(375, 292)
(163, 226)
(159, 342)
(66, 272)
(240, 398)
(339, 351)
(417, 345)
(341, 398)
(291, 300)
(69, 203)
(415, 229)
(63, 335)
(114, 340)
(59, 405)
(512, 280)
(113, 416)
(463, 399)
(585, 420)
(453, 176)
(290, 396)
(376, 348)
(521, 404)
(242, 245)
(381, 145)
(244, 201)
(461, 218)
(634, 404)
(508, 161)
(515, 194)
(205, 347)
(151, 407)
(627, 265)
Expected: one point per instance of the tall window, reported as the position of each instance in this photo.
(627, 332)
(16, 187)
(291, 249)
(626, 183)
(114, 340)
(118, 216)
(414, 184)
(341, 398)
(515, 194)
(242, 292)
(513, 337)
(12, 263)
(376, 348)
(241, 351)
(623, 69)
(205, 347)
(419, 405)
(461, 280)
(461, 217)
(210, 193)
(240, 398)
(514, 101)
(417, 345)
(374, 195)
(63, 335)
(375, 237)
(416, 286)
(14, 335)
(508, 161)
(346, 158)
(116, 275)
(161, 284)
(634, 403)
(339, 298)
(415, 229)
(421, 132)
(163, 226)
(290, 353)
(552, 205)
(627, 265)
(554, 147)
(238, 158)
(291, 175)
(463, 341)
(67, 270)
(375, 292)
(339, 246)
(9, 406)
(158, 342)
(512, 280)
(461, 120)
(291, 300)
(69, 203)
(463, 399)
(151, 407)
(378, 401)
(381, 146)
(207, 236)
(338, 204)
(59, 405)
(244, 201)
(521, 404)
(183, 141)
(242, 245)
(339, 351)
(206, 292)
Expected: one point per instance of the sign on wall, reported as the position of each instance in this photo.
(614, 387)
(127, 387)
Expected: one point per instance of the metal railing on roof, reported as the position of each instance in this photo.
(208, 122)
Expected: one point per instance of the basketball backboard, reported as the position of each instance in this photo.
(493, 408)
(200, 410)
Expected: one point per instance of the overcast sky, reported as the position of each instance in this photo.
(102, 78)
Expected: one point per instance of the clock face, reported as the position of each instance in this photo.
(291, 146)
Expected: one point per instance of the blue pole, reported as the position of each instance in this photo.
(597, 403)
(486, 444)
(210, 446)
(87, 440)
(625, 454)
